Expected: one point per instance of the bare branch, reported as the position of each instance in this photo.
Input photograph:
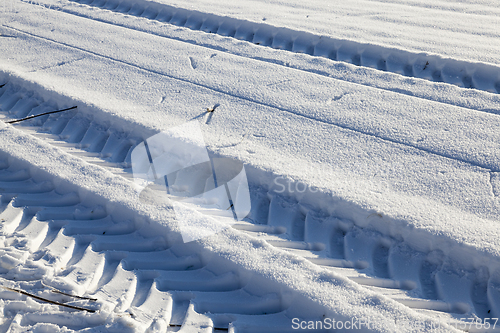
(39, 115)
(48, 300)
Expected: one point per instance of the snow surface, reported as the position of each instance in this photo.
(412, 159)
(403, 156)
(465, 30)
(338, 296)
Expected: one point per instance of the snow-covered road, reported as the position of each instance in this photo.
(374, 183)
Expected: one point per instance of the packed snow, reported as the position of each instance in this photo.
(374, 183)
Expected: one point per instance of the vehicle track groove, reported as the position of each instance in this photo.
(37, 213)
(387, 59)
(456, 156)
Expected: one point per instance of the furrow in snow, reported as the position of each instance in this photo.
(130, 275)
(367, 257)
(448, 94)
(430, 67)
(415, 136)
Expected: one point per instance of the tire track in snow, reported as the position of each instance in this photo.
(396, 89)
(88, 239)
(434, 68)
(58, 240)
(385, 138)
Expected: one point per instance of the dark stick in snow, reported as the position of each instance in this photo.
(48, 300)
(212, 109)
(39, 115)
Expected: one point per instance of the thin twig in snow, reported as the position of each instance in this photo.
(48, 300)
(212, 109)
(39, 115)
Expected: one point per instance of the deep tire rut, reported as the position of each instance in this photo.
(56, 237)
(110, 260)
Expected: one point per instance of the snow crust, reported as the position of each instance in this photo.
(419, 163)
